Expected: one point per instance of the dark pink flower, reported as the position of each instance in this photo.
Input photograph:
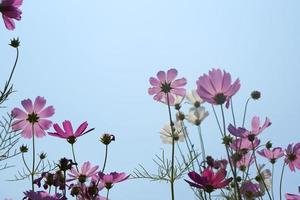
(216, 87)
(10, 11)
(41, 195)
(108, 180)
(209, 180)
(33, 119)
(166, 85)
(272, 155)
(292, 156)
(67, 131)
(86, 171)
(289, 196)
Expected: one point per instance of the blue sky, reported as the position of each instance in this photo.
(92, 61)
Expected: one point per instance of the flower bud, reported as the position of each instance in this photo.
(255, 95)
(107, 138)
(43, 156)
(15, 42)
(23, 149)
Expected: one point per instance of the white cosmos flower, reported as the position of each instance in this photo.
(197, 115)
(193, 98)
(267, 177)
(166, 133)
(178, 100)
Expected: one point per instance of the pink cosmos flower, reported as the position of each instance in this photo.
(86, 171)
(67, 131)
(41, 195)
(166, 85)
(10, 10)
(108, 180)
(209, 180)
(272, 155)
(244, 145)
(216, 87)
(292, 156)
(246, 161)
(33, 119)
(250, 190)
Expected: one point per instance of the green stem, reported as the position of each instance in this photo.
(272, 181)
(23, 158)
(173, 149)
(105, 159)
(281, 179)
(245, 111)
(232, 112)
(107, 194)
(74, 158)
(33, 159)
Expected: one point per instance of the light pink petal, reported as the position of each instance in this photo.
(216, 78)
(19, 124)
(179, 91)
(19, 114)
(38, 131)
(233, 88)
(161, 75)
(68, 127)
(226, 81)
(92, 171)
(171, 75)
(159, 96)
(178, 83)
(85, 167)
(45, 124)
(47, 112)
(27, 131)
(81, 129)
(154, 90)
(18, 3)
(39, 103)
(108, 178)
(27, 104)
(255, 124)
(154, 82)
(206, 84)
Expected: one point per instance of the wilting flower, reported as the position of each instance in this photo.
(86, 171)
(10, 11)
(166, 133)
(193, 98)
(292, 156)
(67, 131)
(245, 162)
(272, 155)
(82, 191)
(250, 190)
(209, 180)
(216, 87)
(33, 120)
(108, 180)
(165, 86)
(41, 195)
(197, 115)
(289, 196)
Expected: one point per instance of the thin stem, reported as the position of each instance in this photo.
(23, 158)
(74, 158)
(12, 71)
(262, 179)
(209, 195)
(281, 179)
(202, 144)
(232, 113)
(272, 181)
(186, 142)
(217, 119)
(173, 149)
(107, 194)
(245, 111)
(105, 159)
(65, 184)
(33, 159)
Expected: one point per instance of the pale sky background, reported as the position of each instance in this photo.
(92, 61)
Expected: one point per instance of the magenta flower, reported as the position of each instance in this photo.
(41, 195)
(289, 196)
(67, 131)
(216, 87)
(209, 180)
(10, 11)
(86, 171)
(33, 119)
(272, 155)
(165, 86)
(108, 180)
(292, 156)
